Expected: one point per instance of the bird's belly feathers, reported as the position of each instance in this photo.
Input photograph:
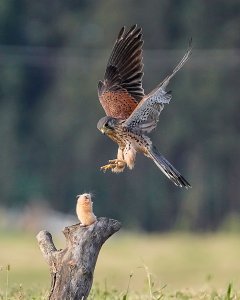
(140, 142)
(130, 143)
(117, 139)
(134, 144)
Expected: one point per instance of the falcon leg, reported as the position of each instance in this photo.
(107, 167)
(116, 165)
(119, 165)
(120, 161)
(117, 161)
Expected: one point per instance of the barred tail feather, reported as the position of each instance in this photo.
(167, 168)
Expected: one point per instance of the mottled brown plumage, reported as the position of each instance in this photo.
(121, 89)
(130, 113)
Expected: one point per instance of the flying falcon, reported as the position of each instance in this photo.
(130, 114)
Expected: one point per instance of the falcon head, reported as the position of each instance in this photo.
(107, 124)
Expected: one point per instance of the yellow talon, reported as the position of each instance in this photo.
(113, 163)
(106, 167)
(117, 162)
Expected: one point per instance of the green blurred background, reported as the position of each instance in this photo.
(52, 55)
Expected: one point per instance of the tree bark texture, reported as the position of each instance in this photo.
(72, 268)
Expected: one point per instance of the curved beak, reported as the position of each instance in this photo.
(102, 131)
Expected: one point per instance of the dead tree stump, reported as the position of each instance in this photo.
(72, 268)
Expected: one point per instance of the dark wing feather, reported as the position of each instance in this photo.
(121, 89)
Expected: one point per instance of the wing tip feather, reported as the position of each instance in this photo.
(121, 33)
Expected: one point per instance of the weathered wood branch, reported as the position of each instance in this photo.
(72, 268)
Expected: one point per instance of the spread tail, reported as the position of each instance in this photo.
(167, 168)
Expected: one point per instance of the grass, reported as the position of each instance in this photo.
(153, 293)
(133, 266)
(178, 260)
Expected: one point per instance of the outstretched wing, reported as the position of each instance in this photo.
(121, 89)
(146, 114)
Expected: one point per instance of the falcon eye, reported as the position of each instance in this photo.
(109, 125)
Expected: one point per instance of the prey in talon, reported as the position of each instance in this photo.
(130, 113)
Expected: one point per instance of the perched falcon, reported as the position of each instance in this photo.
(130, 113)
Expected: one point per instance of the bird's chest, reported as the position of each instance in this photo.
(135, 140)
(117, 138)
